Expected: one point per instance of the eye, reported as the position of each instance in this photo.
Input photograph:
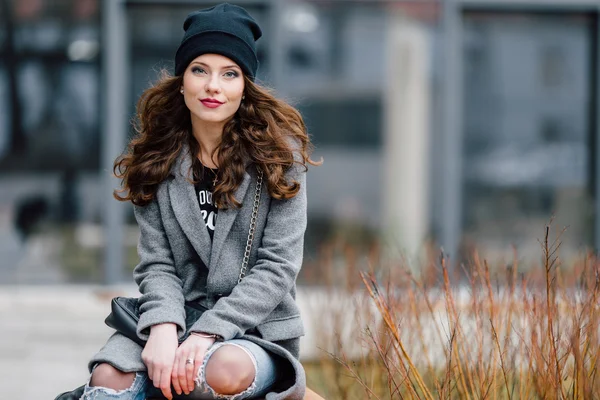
(231, 74)
(197, 70)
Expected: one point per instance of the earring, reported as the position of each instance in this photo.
(243, 97)
(181, 91)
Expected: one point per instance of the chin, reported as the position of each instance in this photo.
(211, 118)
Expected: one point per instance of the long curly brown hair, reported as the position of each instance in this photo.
(265, 130)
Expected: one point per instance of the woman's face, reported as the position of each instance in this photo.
(213, 86)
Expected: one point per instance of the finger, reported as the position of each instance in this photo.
(156, 377)
(188, 374)
(165, 383)
(175, 376)
(148, 365)
(180, 366)
(198, 360)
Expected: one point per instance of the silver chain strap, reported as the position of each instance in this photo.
(252, 226)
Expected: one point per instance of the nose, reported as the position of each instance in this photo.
(213, 84)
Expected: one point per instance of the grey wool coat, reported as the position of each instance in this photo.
(178, 264)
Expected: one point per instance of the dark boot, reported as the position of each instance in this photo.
(72, 395)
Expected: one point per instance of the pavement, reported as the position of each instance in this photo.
(48, 333)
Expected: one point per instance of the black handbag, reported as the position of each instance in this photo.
(125, 314)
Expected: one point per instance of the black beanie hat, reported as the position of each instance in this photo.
(224, 29)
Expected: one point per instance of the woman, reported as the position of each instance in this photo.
(208, 139)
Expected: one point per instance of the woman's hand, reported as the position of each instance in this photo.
(158, 355)
(184, 372)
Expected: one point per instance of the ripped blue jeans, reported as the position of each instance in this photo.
(265, 366)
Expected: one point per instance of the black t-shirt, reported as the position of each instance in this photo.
(204, 192)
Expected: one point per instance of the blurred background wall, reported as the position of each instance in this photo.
(462, 124)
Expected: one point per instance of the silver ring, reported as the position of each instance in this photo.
(189, 361)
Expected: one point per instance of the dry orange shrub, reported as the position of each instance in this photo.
(532, 335)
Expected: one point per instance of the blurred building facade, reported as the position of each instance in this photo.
(464, 123)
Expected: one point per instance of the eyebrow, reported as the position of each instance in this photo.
(225, 67)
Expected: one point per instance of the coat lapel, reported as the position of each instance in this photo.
(225, 219)
(186, 208)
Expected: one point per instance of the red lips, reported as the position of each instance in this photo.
(211, 103)
(211, 100)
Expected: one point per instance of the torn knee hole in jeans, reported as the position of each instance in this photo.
(201, 378)
(94, 391)
(91, 392)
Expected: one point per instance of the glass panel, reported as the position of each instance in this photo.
(333, 66)
(49, 141)
(5, 111)
(527, 130)
(334, 48)
(347, 122)
(55, 64)
(309, 52)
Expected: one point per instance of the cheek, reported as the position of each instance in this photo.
(239, 91)
(192, 86)
(193, 83)
(186, 100)
(235, 95)
(192, 90)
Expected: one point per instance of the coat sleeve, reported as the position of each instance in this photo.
(272, 276)
(161, 299)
